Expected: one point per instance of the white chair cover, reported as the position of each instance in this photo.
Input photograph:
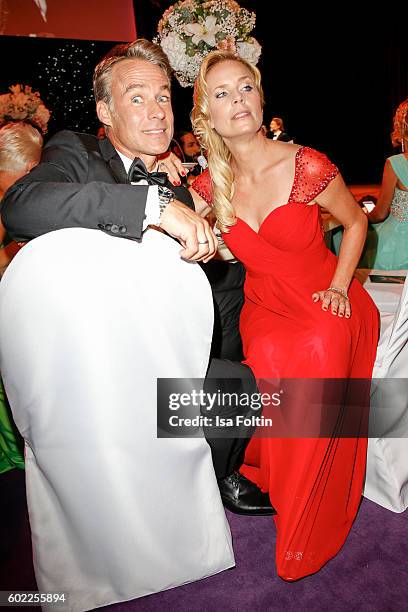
(387, 460)
(87, 323)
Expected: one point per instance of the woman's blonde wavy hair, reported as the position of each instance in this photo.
(219, 156)
(399, 135)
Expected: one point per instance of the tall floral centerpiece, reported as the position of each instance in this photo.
(23, 104)
(190, 29)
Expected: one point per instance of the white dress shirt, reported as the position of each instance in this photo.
(152, 211)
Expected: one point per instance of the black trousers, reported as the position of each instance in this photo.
(226, 374)
(231, 379)
(227, 284)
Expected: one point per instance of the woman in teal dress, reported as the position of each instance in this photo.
(20, 150)
(386, 247)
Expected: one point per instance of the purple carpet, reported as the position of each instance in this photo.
(369, 574)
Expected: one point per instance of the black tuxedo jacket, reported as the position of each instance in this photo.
(283, 136)
(80, 182)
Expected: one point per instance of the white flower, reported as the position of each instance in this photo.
(250, 50)
(175, 49)
(205, 31)
(187, 23)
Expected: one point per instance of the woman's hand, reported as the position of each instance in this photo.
(172, 166)
(336, 299)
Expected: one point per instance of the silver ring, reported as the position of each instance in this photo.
(205, 242)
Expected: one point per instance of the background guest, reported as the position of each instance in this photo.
(189, 144)
(101, 132)
(387, 240)
(277, 131)
(386, 246)
(20, 150)
(191, 151)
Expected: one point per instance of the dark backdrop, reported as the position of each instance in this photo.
(335, 79)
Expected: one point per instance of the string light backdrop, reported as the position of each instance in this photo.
(65, 77)
(61, 70)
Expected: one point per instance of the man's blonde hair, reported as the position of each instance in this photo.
(20, 146)
(141, 49)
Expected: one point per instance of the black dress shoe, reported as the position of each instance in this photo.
(242, 496)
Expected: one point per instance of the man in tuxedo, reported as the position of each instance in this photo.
(191, 152)
(113, 185)
(277, 131)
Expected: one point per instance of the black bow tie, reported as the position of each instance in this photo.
(138, 172)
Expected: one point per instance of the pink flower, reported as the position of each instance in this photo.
(23, 104)
(227, 44)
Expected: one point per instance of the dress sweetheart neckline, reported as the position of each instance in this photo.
(271, 212)
(296, 160)
(263, 220)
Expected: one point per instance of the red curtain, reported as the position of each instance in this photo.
(79, 19)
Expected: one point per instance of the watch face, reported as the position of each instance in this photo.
(165, 195)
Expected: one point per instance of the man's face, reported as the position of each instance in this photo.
(140, 117)
(190, 145)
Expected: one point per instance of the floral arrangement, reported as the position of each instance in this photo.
(190, 29)
(23, 104)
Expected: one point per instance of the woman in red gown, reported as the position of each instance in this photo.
(304, 315)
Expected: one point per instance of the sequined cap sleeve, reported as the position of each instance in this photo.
(313, 173)
(202, 185)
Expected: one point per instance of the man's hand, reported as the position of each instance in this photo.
(192, 231)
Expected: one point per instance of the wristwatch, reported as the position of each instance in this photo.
(165, 197)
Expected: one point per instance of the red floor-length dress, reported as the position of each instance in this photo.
(315, 484)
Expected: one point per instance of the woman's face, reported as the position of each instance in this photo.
(234, 101)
